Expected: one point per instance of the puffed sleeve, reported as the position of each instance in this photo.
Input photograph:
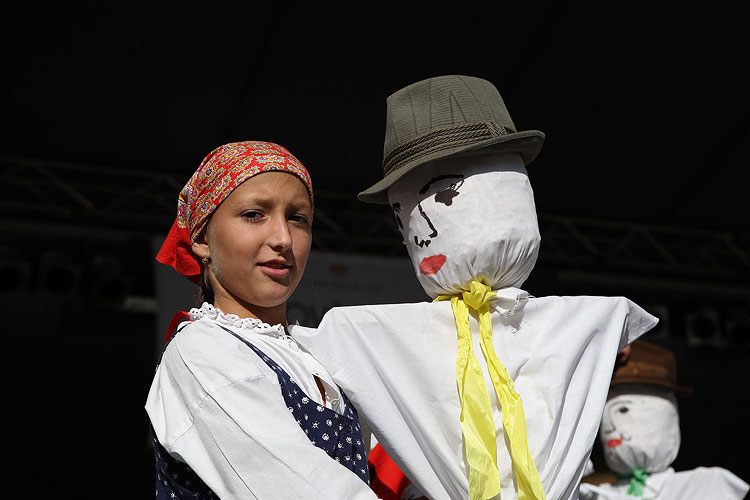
(224, 415)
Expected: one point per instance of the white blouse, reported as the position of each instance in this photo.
(217, 406)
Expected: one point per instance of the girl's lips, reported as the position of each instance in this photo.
(275, 269)
(431, 265)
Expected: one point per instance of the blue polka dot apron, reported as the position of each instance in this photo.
(338, 435)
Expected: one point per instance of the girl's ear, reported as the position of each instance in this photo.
(200, 246)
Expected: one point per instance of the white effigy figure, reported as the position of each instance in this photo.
(487, 391)
(640, 437)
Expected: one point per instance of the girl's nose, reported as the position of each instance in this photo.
(280, 237)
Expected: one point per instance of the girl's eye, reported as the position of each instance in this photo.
(252, 214)
(299, 218)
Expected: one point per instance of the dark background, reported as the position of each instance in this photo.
(108, 108)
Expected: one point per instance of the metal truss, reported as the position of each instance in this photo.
(648, 249)
(41, 198)
(39, 193)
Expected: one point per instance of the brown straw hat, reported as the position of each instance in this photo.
(650, 364)
(446, 116)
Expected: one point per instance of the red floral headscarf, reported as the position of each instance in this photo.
(225, 168)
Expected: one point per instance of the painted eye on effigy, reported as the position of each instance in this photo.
(446, 195)
(450, 193)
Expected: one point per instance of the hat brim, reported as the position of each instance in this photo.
(527, 143)
(680, 391)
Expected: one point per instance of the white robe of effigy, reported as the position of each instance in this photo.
(396, 363)
(466, 219)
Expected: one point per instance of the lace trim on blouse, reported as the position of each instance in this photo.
(253, 324)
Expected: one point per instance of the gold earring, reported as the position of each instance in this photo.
(205, 260)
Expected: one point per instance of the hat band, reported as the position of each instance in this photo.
(439, 139)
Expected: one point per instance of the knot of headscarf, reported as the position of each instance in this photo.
(477, 423)
(220, 172)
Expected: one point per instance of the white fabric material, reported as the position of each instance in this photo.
(589, 469)
(217, 406)
(477, 213)
(701, 483)
(463, 219)
(397, 364)
(640, 428)
(411, 492)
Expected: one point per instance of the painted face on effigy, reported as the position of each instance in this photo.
(466, 218)
(640, 428)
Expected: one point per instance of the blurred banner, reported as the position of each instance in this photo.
(331, 279)
(335, 279)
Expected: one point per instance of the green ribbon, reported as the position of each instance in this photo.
(637, 482)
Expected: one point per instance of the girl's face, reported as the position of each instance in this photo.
(258, 242)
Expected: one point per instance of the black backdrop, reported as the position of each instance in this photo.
(108, 108)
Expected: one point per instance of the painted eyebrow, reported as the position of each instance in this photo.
(439, 178)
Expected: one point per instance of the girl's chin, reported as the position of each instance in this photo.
(264, 299)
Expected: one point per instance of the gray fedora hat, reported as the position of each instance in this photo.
(446, 116)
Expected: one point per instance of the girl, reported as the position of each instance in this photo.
(238, 409)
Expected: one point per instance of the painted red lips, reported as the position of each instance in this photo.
(431, 265)
(614, 443)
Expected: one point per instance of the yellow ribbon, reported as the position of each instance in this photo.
(477, 424)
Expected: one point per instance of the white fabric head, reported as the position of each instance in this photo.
(640, 428)
(468, 218)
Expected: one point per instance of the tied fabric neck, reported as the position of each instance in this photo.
(637, 482)
(477, 424)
